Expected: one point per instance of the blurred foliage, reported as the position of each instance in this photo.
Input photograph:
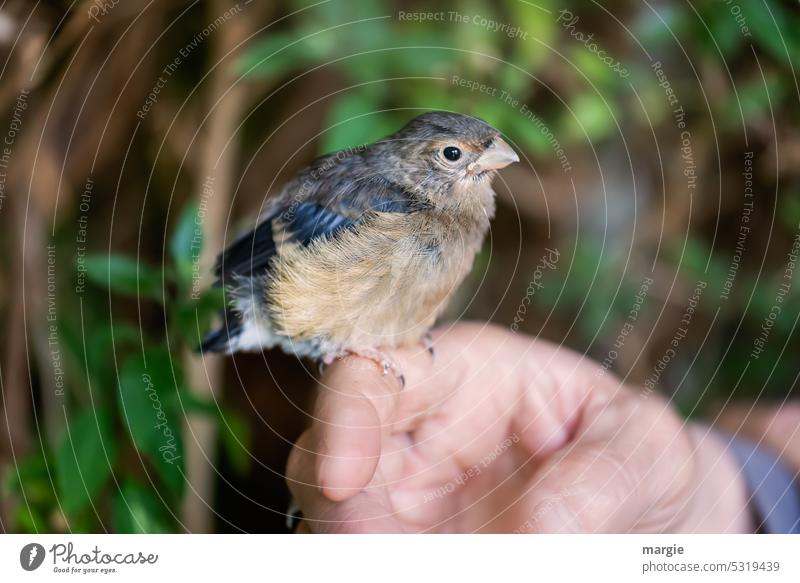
(96, 479)
(377, 56)
(370, 71)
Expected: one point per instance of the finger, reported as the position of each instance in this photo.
(368, 511)
(358, 407)
(628, 469)
(352, 414)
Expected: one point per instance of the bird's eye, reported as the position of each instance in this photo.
(451, 153)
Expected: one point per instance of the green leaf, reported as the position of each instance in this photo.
(137, 509)
(591, 118)
(715, 31)
(538, 21)
(416, 54)
(535, 132)
(29, 520)
(692, 255)
(147, 406)
(84, 459)
(234, 432)
(193, 403)
(123, 275)
(30, 477)
(171, 466)
(790, 215)
(756, 97)
(496, 112)
(186, 243)
(211, 301)
(105, 340)
(353, 121)
(277, 54)
(515, 83)
(771, 34)
(595, 70)
(656, 27)
(192, 318)
(235, 438)
(422, 95)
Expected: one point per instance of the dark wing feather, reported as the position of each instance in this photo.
(336, 194)
(310, 221)
(332, 195)
(220, 339)
(250, 253)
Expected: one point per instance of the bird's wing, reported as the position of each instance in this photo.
(305, 212)
(247, 255)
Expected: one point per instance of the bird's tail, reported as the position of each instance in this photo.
(224, 339)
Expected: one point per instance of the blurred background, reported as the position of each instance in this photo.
(652, 225)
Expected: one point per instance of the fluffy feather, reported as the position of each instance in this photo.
(364, 248)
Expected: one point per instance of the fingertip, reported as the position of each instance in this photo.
(343, 476)
(349, 449)
(338, 494)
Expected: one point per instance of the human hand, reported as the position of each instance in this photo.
(501, 432)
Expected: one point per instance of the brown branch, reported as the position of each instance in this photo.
(225, 105)
(15, 430)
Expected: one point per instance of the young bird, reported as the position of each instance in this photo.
(362, 250)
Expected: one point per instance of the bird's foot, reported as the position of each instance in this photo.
(386, 362)
(427, 341)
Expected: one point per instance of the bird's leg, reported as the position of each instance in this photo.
(428, 342)
(386, 362)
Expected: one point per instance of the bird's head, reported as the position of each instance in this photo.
(439, 150)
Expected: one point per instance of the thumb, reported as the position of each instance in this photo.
(358, 407)
(353, 413)
(368, 511)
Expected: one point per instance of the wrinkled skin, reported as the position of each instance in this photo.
(500, 432)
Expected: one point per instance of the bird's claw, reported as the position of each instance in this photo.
(428, 341)
(388, 366)
(383, 360)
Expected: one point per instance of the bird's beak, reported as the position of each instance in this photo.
(498, 155)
